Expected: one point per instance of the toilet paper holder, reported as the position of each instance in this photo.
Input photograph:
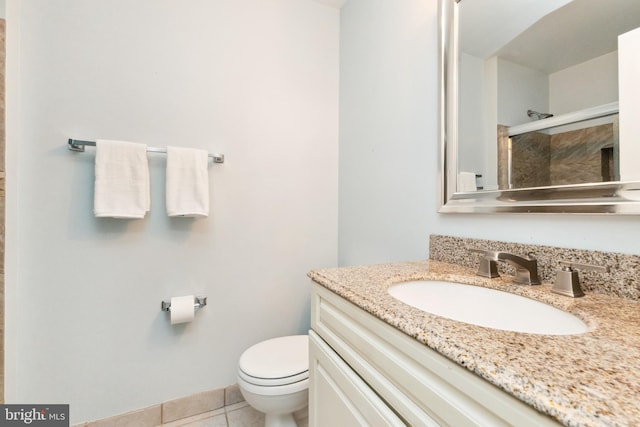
(198, 302)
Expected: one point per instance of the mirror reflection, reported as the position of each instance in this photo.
(541, 91)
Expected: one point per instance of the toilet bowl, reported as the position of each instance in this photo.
(273, 377)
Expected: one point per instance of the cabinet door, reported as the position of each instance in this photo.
(338, 396)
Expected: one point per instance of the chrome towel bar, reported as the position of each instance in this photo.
(78, 145)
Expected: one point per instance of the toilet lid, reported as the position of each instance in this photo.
(276, 361)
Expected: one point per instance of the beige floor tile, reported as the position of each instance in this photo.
(215, 421)
(232, 395)
(236, 406)
(197, 418)
(245, 417)
(192, 405)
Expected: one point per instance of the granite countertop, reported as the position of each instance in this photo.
(591, 379)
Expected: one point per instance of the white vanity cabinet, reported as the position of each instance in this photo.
(339, 397)
(364, 372)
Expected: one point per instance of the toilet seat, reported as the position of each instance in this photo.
(272, 382)
(278, 390)
(276, 362)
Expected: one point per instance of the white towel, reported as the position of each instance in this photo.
(187, 182)
(122, 180)
(467, 182)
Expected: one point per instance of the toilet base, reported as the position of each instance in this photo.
(278, 409)
(279, 420)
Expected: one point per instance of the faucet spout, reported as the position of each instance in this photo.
(526, 267)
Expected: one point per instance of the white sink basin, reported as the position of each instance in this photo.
(487, 307)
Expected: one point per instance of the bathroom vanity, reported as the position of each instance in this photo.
(377, 361)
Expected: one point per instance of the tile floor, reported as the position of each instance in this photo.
(238, 415)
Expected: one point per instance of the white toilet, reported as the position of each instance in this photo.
(273, 377)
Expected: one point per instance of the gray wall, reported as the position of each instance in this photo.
(388, 117)
(255, 80)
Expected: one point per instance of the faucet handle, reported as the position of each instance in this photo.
(568, 281)
(488, 266)
(569, 266)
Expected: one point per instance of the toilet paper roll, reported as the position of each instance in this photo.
(182, 309)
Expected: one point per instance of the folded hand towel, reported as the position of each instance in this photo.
(121, 180)
(467, 182)
(187, 182)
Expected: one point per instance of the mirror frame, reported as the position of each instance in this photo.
(596, 198)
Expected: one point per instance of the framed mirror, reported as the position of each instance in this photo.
(539, 106)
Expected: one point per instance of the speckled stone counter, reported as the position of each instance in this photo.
(592, 379)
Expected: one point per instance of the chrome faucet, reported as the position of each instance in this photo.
(526, 267)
